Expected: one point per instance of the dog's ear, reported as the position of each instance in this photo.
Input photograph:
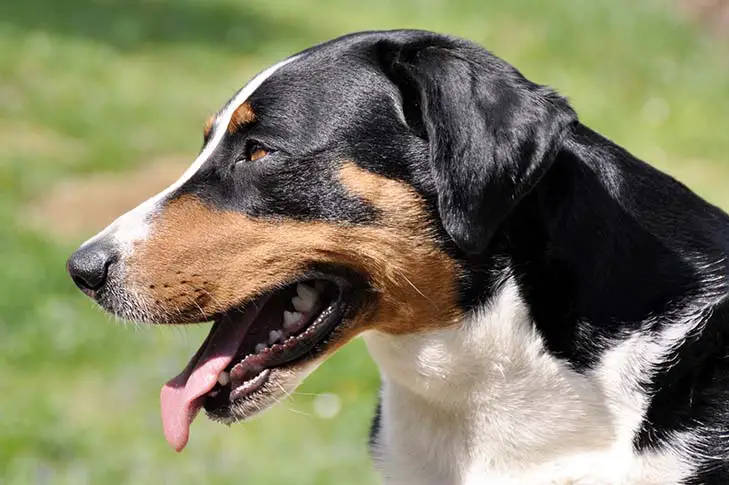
(492, 133)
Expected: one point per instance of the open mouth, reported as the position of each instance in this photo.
(280, 329)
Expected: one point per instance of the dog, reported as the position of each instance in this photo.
(544, 308)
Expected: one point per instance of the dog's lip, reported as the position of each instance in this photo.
(183, 396)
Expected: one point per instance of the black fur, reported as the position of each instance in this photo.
(375, 426)
(492, 134)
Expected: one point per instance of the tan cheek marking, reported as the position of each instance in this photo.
(415, 279)
(200, 259)
(242, 116)
(208, 126)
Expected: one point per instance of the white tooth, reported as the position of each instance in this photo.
(273, 336)
(223, 378)
(290, 319)
(260, 347)
(301, 304)
(308, 296)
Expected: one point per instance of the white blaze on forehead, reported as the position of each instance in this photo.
(134, 225)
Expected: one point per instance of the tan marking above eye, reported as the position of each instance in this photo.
(242, 116)
(208, 126)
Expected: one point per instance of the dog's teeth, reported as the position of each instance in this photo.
(300, 304)
(290, 319)
(260, 347)
(274, 335)
(306, 298)
(224, 378)
(307, 292)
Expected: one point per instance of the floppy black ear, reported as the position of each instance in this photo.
(492, 133)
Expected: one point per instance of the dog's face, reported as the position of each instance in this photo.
(341, 190)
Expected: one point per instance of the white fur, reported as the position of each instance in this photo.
(485, 403)
(134, 225)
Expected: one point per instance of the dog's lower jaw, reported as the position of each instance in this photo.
(485, 403)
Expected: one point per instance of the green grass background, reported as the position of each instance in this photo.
(107, 85)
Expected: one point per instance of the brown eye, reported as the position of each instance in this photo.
(257, 154)
(255, 151)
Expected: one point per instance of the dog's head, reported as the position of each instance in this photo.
(341, 190)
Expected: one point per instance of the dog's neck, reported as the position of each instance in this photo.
(484, 402)
(481, 399)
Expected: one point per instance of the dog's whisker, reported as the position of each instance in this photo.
(300, 412)
(208, 294)
(307, 394)
(287, 396)
(417, 289)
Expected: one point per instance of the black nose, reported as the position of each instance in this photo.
(89, 266)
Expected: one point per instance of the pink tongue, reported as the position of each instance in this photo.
(182, 397)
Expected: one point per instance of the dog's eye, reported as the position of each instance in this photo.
(255, 151)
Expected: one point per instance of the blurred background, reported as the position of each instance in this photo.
(102, 103)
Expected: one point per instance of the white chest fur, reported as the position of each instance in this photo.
(484, 403)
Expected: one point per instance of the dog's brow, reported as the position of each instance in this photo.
(242, 116)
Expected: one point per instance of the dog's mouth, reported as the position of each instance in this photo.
(280, 329)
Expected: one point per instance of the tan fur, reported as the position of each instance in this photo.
(243, 115)
(203, 260)
(208, 126)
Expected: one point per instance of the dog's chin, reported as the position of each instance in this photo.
(275, 384)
